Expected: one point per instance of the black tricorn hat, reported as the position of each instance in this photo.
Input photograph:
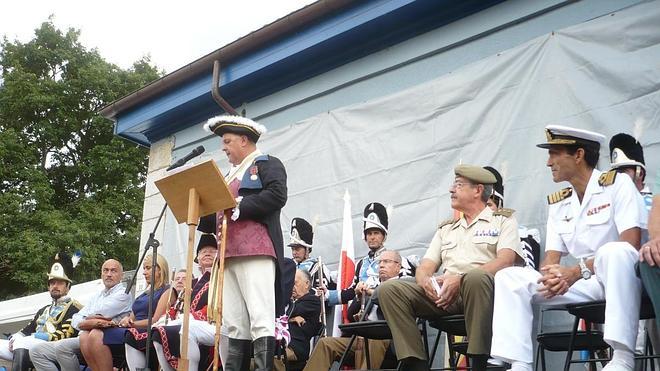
(498, 187)
(302, 233)
(62, 268)
(375, 216)
(626, 151)
(219, 125)
(206, 239)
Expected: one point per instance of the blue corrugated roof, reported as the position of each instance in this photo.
(341, 37)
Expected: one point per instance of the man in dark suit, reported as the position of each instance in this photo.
(254, 244)
(303, 311)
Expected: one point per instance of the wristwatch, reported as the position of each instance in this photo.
(586, 273)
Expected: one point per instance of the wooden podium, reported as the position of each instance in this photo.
(191, 192)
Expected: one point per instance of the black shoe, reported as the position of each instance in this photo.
(238, 355)
(21, 360)
(264, 352)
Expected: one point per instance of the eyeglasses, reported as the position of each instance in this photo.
(458, 184)
(389, 261)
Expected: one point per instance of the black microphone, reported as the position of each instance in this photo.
(180, 162)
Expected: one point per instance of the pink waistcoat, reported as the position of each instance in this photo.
(245, 237)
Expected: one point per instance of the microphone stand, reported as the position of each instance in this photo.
(152, 243)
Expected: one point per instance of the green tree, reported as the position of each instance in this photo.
(66, 182)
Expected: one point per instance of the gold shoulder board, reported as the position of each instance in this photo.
(504, 212)
(559, 195)
(447, 222)
(607, 179)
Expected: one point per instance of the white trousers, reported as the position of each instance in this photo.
(516, 289)
(20, 342)
(248, 308)
(203, 333)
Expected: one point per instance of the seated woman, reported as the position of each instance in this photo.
(96, 344)
(135, 339)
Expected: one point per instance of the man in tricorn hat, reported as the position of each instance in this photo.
(50, 323)
(470, 250)
(375, 222)
(596, 220)
(167, 338)
(301, 243)
(255, 244)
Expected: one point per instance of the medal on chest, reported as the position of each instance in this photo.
(253, 173)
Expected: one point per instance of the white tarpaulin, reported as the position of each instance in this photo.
(400, 150)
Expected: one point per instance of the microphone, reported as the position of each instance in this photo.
(180, 162)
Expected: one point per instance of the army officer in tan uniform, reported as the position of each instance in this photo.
(468, 250)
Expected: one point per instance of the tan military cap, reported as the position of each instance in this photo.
(476, 174)
(567, 136)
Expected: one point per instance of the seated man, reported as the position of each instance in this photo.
(329, 349)
(470, 250)
(104, 309)
(375, 225)
(649, 257)
(597, 220)
(303, 311)
(52, 322)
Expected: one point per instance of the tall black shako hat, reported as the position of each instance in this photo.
(375, 216)
(625, 151)
(568, 136)
(62, 268)
(302, 233)
(219, 125)
(206, 239)
(498, 187)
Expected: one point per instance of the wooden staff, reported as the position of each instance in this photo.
(193, 219)
(220, 278)
(323, 288)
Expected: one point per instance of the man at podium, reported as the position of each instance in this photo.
(253, 294)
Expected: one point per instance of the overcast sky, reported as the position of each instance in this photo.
(173, 33)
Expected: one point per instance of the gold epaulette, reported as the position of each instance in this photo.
(447, 222)
(560, 195)
(607, 179)
(504, 212)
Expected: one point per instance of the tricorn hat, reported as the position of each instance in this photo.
(219, 125)
(498, 187)
(206, 239)
(375, 216)
(302, 233)
(62, 268)
(626, 151)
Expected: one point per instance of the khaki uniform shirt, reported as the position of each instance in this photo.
(458, 247)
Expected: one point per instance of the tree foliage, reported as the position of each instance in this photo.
(66, 181)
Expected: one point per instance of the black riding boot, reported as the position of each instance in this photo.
(264, 352)
(238, 355)
(21, 360)
(479, 362)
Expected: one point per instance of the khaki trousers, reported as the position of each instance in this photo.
(330, 349)
(402, 302)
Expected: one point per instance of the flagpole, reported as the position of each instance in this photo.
(346, 269)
